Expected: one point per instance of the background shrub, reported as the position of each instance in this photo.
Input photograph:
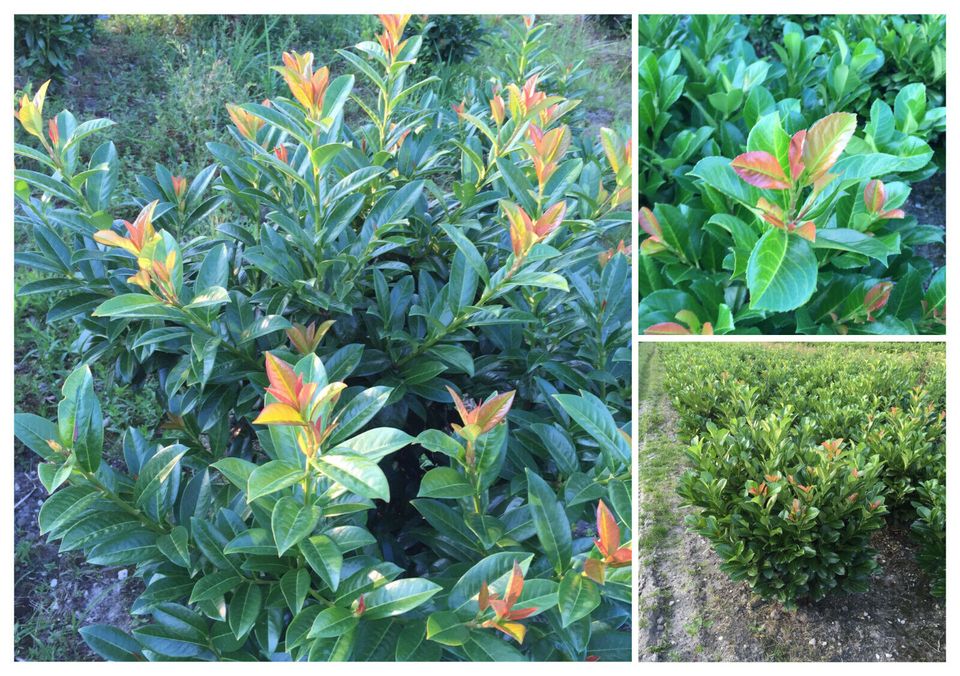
(48, 44)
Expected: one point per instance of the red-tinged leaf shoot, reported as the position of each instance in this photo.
(761, 170)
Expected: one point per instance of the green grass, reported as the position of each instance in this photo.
(607, 87)
(661, 459)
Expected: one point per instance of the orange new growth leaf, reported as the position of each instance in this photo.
(497, 109)
(608, 532)
(486, 416)
(522, 100)
(874, 196)
(824, 143)
(796, 154)
(54, 131)
(761, 169)
(524, 232)
(483, 598)
(530, 96)
(807, 230)
(297, 404)
(390, 39)
(307, 338)
(548, 148)
(876, 298)
(608, 538)
(506, 618)
(667, 329)
(179, 185)
(246, 123)
(307, 86)
(493, 412)
(279, 414)
(650, 225)
(772, 213)
(31, 111)
(874, 199)
(140, 233)
(595, 569)
(606, 256)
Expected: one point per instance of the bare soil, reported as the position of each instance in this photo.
(691, 611)
(928, 202)
(54, 594)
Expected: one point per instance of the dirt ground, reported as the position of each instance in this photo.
(55, 595)
(691, 611)
(928, 202)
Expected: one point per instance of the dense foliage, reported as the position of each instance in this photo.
(394, 360)
(48, 44)
(773, 186)
(801, 452)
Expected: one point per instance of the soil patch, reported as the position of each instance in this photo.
(928, 202)
(54, 594)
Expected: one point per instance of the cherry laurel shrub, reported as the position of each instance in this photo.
(774, 189)
(394, 357)
(794, 468)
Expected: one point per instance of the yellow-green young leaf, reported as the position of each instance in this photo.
(781, 272)
(577, 597)
(446, 627)
(824, 143)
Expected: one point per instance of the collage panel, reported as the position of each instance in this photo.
(792, 174)
(440, 338)
(323, 338)
(792, 502)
